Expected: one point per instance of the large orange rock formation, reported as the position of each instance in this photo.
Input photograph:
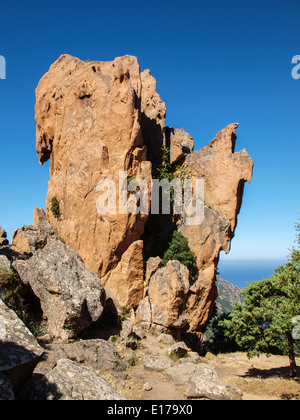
(95, 119)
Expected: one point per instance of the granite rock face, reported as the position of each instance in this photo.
(224, 172)
(124, 284)
(95, 119)
(69, 381)
(180, 143)
(200, 381)
(3, 237)
(97, 354)
(6, 391)
(19, 350)
(4, 264)
(88, 123)
(165, 303)
(71, 295)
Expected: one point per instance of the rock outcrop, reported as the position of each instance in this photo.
(99, 355)
(180, 143)
(69, 381)
(3, 237)
(95, 119)
(224, 173)
(6, 391)
(88, 124)
(228, 294)
(124, 284)
(19, 352)
(4, 264)
(165, 305)
(201, 381)
(71, 295)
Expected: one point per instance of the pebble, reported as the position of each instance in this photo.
(147, 386)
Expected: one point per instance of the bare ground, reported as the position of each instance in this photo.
(260, 378)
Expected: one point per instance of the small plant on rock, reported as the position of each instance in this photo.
(55, 207)
(179, 250)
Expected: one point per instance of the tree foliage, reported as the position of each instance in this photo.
(55, 207)
(264, 322)
(179, 250)
(215, 339)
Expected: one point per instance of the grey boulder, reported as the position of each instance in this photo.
(69, 381)
(71, 295)
(6, 391)
(19, 350)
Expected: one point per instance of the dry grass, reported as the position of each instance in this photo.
(271, 388)
(259, 378)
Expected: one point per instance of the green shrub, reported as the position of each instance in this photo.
(9, 286)
(55, 207)
(124, 312)
(179, 250)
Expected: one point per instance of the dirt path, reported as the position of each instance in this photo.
(259, 378)
(162, 389)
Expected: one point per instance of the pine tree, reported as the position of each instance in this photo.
(179, 250)
(265, 322)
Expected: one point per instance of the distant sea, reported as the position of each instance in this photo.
(241, 272)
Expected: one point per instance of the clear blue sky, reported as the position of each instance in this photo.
(215, 62)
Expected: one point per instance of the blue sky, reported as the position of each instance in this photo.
(216, 62)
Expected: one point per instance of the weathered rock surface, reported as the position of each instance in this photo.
(3, 237)
(153, 117)
(69, 381)
(200, 381)
(125, 284)
(179, 349)
(4, 263)
(92, 109)
(203, 294)
(168, 291)
(144, 313)
(97, 354)
(167, 297)
(205, 383)
(181, 374)
(199, 387)
(27, 240)
(127, 330)
(157, 364)
(6, 391)
(180, 143)
(19, 350)
(165, 339)
(41, 222)
(71, 295)
(109, 115)
(152, 265)
(224, 172)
